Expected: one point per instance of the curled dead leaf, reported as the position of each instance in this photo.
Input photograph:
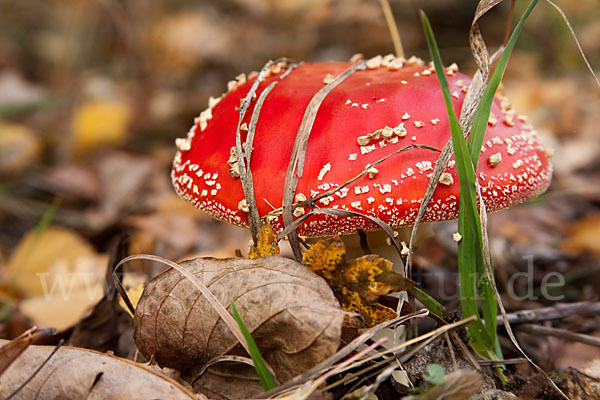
(358, 283)
(73, 373)
(291, 313)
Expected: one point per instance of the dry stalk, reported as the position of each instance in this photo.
(391, 23)
(296, 164)
(325, 365)
(244, 160)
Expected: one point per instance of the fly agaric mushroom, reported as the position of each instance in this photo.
(374, 111)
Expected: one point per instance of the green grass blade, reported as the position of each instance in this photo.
(47, 218)
(259, 363)
(474, 143)
(471, 244)
(429, 302)
(480, 120)
(471, 263)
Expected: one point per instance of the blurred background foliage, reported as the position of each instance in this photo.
(93, 94)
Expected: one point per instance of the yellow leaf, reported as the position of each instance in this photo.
(357, 284)
(267, 244)
(61, 275)
(324, 257)
(43, 258)
(59, 309)
(134, 294)
(100, 122)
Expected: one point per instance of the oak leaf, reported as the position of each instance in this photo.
(359, 283)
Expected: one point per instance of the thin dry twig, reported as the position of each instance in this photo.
(244, 160)
(466, 351)
(581, 52)
(346, 350)
(296, 164)
(509, 21)
(246, 170)
(311, 202)
(560, 333)
(37, 371)
(451, 349)
(558, 311)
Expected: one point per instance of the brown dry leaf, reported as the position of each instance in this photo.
(582, 235)
(570, 354)
(74, 373)
(584, 384)
(123, 177)
(357, 284)
(63, 308)
(459, 385)
(77, 180)
(180, 41)
(219, 377)
(291, 313)
(10, 351)
(266, 245)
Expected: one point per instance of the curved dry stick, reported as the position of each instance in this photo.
(340, 213)
(310, 202)
(566, 20)
(246, 170)
(243, 162)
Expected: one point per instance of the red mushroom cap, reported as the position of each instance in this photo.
(374, 112)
